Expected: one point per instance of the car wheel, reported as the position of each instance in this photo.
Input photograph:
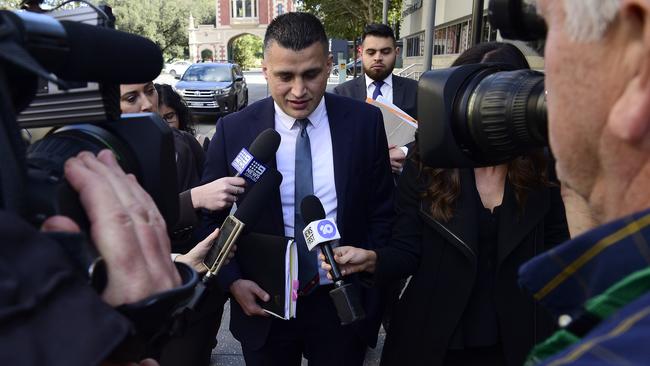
(173, 73)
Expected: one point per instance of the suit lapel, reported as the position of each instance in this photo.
(398, 91)
(361, 91)
(341, 143)
(513, 227)
(265, 118)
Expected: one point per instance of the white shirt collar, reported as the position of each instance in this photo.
(316, 117)
(388, 80)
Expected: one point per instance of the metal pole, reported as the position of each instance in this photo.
(430, 17)
(477, 22)
(384, 17)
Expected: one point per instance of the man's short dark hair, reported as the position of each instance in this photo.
(378, 30)
(296, 31)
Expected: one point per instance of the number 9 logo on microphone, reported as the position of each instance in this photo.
(326, 229)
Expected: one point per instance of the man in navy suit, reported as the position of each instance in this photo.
(378, 55)
(332, 147)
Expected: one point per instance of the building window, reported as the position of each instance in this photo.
(489, 34)
(243, 8)
(280, 9)
(456, 38)
(415, 45)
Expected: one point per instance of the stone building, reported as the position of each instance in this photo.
(234, 18)
(452, 34)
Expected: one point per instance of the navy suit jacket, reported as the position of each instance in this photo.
(405, 92)
(364, 190)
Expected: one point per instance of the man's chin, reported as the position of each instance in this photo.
(376, 75)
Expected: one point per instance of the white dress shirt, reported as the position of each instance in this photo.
(320, 140)
(386, 89)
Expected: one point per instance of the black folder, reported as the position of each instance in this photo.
(272, 262)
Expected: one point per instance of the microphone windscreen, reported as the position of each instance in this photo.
(265, 145)
(311, 209)
(108, 56)
(253, 204)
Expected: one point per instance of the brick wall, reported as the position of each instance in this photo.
(224, 12)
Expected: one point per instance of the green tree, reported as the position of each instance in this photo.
(346, 19)
(207, 55)
(163, 21)
(247, 51)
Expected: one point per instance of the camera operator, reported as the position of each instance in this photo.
(598, 80)
(462, 234)
(36, 306)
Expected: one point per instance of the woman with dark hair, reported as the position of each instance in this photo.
(174, 111)
(462, 234)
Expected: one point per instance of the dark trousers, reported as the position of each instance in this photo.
(316, 333)
(193, 345)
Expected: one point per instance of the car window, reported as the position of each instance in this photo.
(214, 74)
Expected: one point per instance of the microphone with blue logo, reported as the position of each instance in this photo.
(320, 232)
(250, 163)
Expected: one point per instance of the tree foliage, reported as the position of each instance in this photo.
(247, 51)
(163, 21)
(207, 55)
(346, 19)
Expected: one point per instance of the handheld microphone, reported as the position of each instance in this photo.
(246, 216)
(320, 232)
(251, 163)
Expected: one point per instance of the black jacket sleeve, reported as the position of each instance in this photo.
(401, 257)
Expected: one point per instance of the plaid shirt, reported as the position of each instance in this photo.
(565, 277)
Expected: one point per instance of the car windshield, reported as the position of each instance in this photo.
(208, 74)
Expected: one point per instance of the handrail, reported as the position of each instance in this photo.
(401, 73)
(417, 73)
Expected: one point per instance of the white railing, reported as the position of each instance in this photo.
(401, 73)
(415, 75)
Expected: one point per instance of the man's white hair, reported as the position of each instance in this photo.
(587, 20)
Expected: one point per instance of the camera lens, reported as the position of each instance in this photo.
(502, 115)
(49, 193)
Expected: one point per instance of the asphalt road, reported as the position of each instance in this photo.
(228, 351)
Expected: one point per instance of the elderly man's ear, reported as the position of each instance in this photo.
(629, 119)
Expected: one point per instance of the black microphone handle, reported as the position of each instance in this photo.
(327, 251)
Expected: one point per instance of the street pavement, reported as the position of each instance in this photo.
(228, 351)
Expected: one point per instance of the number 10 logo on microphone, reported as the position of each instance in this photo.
(326, 229)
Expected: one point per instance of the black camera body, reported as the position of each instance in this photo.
(485, 114)
(480, 115)
(143, 146)
(61, 74)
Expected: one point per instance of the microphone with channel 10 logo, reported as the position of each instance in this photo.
(320, 232)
